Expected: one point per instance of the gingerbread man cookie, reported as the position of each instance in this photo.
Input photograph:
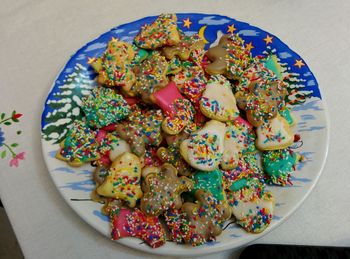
(163, 190)
(162, 32)
(206, 217)
(114, 67)
(262, 100)
(134, 223)
(123, 181)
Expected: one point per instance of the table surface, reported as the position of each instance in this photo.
(37, 38)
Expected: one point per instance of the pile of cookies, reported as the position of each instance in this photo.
(182, 138)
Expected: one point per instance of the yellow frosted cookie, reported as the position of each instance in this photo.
(123, 181)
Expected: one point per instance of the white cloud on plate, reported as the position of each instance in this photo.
(117, 31)
(133, 32)
(127, 39)
(97, 45)
(190, 33)
(307, 74)
(310, 83)
(248, 33)
(210, 20)
(81, 57)
(285, 54)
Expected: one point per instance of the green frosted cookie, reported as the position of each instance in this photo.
(103, 107)
(278, 164)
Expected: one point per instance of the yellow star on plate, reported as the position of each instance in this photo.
(249, 46)
(268, 39)
(299, 63)
(187, 23)
(231, 28)
(114, 39)
(91, 60)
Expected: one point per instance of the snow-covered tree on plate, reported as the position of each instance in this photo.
(295, 85)
(65, 103)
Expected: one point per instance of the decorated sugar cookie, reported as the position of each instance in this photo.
(179, 112)
(123, 181)
(162, 32)
(210, 181)
(204, 148)
(134, 223)
(103, 107)
(239, 140)
(150, 77)
(205, 216)
(80, 145)
(217, 101)
(114, 67)
(162, 191)
(184, 48)
(262, 100)
(274, 134)
(251, 204)
(229, 57)
(278, 164)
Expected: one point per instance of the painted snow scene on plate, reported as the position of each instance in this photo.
(77, 79)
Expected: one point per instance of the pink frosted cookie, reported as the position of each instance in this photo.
(179, 112)
(134, 223)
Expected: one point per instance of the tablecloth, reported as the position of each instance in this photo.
(38, 37)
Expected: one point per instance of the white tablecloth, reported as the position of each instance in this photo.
(37, 38)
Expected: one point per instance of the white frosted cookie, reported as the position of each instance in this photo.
(204, 148)
(123, 181)
(239, 140)
(118, 148)
(274, 134)
(218, 101)
(251, 204)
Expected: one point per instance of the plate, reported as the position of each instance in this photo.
(77, 79)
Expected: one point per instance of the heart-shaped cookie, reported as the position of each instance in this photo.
(218, 101)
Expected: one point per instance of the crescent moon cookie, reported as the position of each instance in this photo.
(134, 223)
(279, 164)
(204, 148)
(217, 101)
(162, 32)
(205, 216)
(239, 140)
(123, 181)
(103, 107)
(114, 67)
(251, 204)
(80, 145)
(274, 134)
(262, 100)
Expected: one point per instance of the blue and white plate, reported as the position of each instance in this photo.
(76, 80)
